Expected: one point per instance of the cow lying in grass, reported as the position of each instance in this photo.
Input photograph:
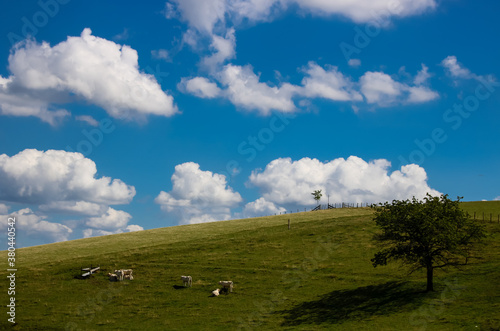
(215, 293)
(227, 285)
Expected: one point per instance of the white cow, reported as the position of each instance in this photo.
(215, 293)
(187, 281)
(227, 285)
(124, 272)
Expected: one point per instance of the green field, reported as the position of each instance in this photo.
(315, 276)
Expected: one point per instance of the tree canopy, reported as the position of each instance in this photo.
(317, 195)
(430, 233)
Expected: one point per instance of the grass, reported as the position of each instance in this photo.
(315, 276)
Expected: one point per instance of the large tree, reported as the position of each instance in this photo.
(430, 233)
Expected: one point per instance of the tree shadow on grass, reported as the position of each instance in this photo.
(356, 304)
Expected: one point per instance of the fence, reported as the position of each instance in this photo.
(485, 217)
(330, 206)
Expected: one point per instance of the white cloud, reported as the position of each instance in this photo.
(201, 15)
(422, 76)
(134, 228)
(161, 54)
(33, 176)
(17, 101)
(244, 89)
(290, 183)
(198, 196)
(91, 68)
(111, 220)
(455, 69)
(354, 63)
(497, 198)
(35, 226)
(74, 207)
(366, 10)
(328, 84)
(200, 86)
(4, 209)
(223, 50)
(381, 89)
(261, 207)
(207, 15)
(63, 184)
(419, 94)
(88, 119)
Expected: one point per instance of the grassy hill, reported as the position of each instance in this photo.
(317, 275)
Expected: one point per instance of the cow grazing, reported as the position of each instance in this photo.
(124, 274)
(187, 281)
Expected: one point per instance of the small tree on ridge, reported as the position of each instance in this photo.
(317, 195)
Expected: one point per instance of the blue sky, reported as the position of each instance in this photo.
(133, 116)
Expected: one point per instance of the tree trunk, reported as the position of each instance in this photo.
(430, 284)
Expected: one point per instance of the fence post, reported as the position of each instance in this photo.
(288, 224)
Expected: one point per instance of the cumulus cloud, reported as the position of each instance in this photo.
(18, 101)
(111, 220)
(242, 86)
(63, 184)
(328, 84)
(34, 176)
(37, 227)
(261, 207)
(223, 49)
(87, 233)
(207, 15)
(73, 207)
(455, 69)
(199, 86)
(422, 76)
(87, 68)
(244, 89)
(87, 119)
(4, 209)
(198, 196)
(354, 63)
(161, 54)
(365, 10)
(381, 89)
(290, 183)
